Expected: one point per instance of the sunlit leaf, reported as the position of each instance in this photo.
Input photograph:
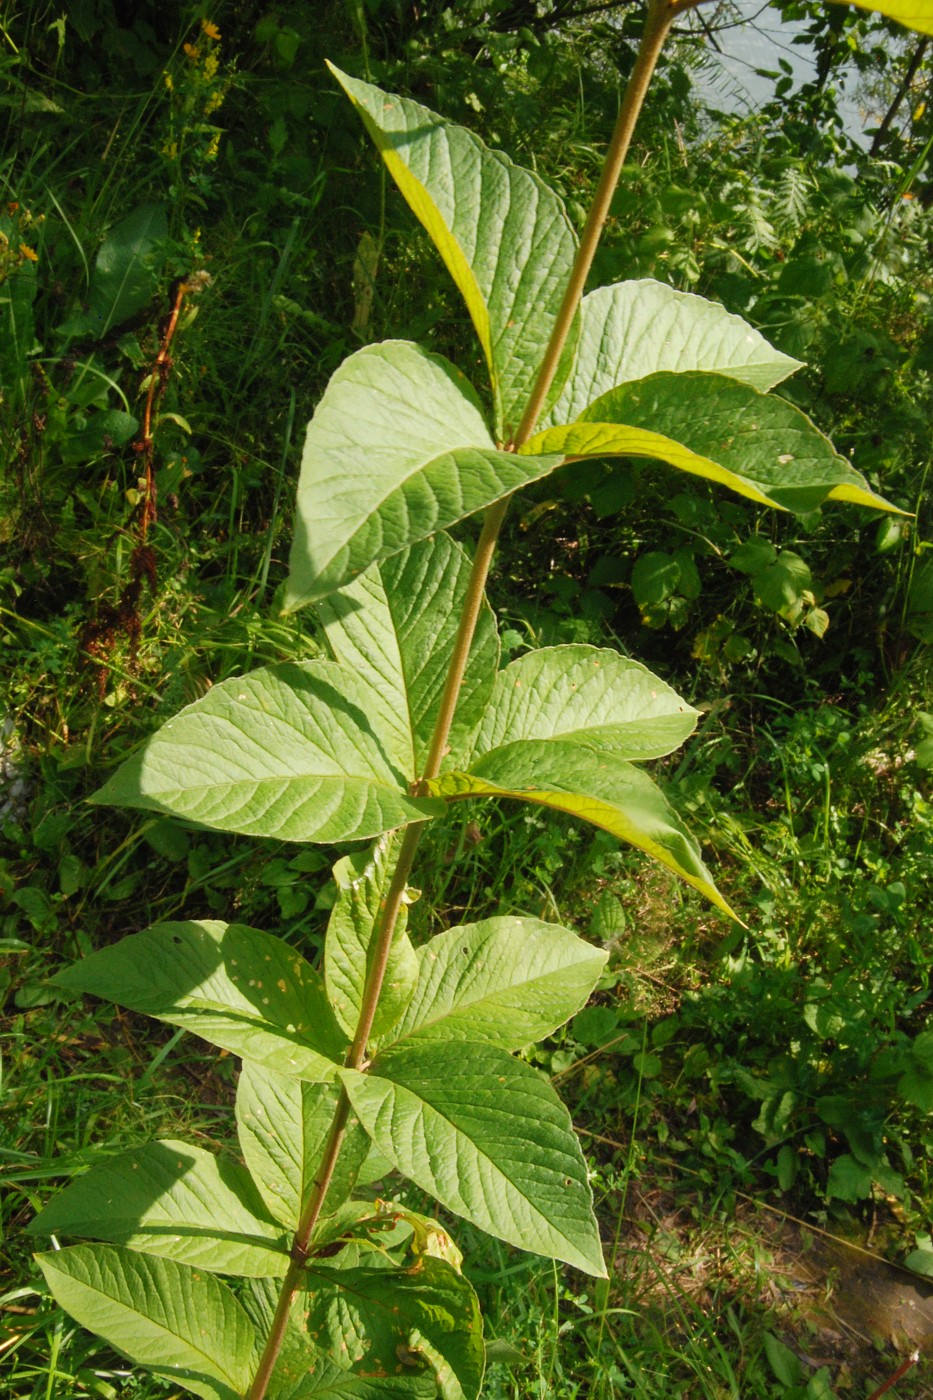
(590, 695)
(362, 882)
(486, 1135)
(396, 626)
(594, 787)
(290, 751)
(633, 329)
(502, 232)
(397, 450)
(176, 1321)
(507, 981)
(239, 988)
(283, 1125)
(172, 1199)
(913, 14)
(714, 427)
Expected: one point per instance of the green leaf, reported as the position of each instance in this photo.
(502, 233)
(328, 1381)
(396, 626)
(239, 988)
(177, 1322)
(487, 1136)
(397, 450)
(363, 882)
(505, 981)
(389, 1321)
(589, 695)
(288, 752)
(107, 430)
(848, 1180)
(594, 787)
(913, 14)
(714, 427)
(637, 328)
(172, 1199)
(125, 275)
(283, 1125)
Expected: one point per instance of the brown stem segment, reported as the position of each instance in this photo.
(661, 15)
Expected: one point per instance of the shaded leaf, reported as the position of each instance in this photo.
(239, 988)
(125, 275)
(714, 427)
(390, 1322)
(487, 1136)
(173, 1199)
(397, 450)
(283, 1125)
(396, 626)
(506, 981)
(502, 233)
(589, 695)
(642, 327)
(289, 751)
(177, 1322)
(363, 881)
(596, 788)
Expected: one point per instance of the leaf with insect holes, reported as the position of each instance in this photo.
(176, 1200)
(179, 1323)
(383, 1321)
(714, 427)
(502, 232)
(239, 988)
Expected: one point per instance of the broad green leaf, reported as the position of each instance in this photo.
(503, 234)
(507, 981)
(363, 881)
(594, 787)
(125, 273)
(283, 1125)
(107, 429)
(592, 696)
(328, 1381)
(388, 1322)
(397, 450)
(914, 14)
(396, 626)
(714, 427)
(237, 987)
(634, 329)
(179, 1323)
(487, 1136)
(290, 752)
(173, 1199)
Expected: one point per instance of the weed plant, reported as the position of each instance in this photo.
(779, 1064)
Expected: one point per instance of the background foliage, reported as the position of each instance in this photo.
(790, 1066)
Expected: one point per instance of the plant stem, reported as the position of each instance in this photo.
(661, 15)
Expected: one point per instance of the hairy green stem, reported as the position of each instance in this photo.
(661, 15)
